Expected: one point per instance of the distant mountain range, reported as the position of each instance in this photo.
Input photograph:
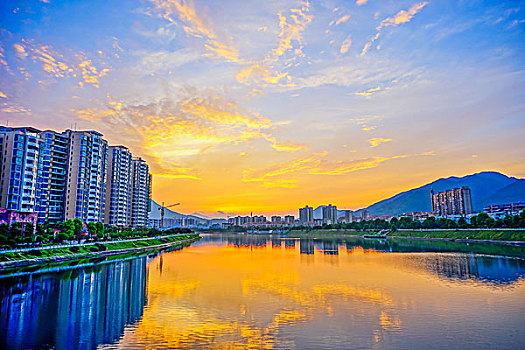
(486, 188)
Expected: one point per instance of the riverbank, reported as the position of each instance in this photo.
(513, 237)
(89, 251)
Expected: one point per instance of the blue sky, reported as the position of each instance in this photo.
(283, 103)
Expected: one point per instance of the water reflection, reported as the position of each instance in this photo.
(496, 269)
(77, 308)
(261, 292)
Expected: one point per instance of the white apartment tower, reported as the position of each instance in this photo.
(18, 168)
(86, 179)
(140, 193)
(119, 187)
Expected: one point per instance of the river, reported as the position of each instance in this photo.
(248, 291)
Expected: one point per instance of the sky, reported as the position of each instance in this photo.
(266, 106)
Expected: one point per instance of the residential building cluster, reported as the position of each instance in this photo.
(261, 220)
(70, 175)
(499, 211)
(457, 201)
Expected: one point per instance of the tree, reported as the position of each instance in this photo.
(92, 229)
(429, 223)
(483, 220)
(69, 228)
(462, 223)
(77, 223)
(394, 224)
(100, 229)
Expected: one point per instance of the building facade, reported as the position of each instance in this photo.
(306, 215)
(330, 214)
(276, 219)
(457, 201)
(86, 180)
(18, 168)
(140, 193)
(118, 187)
(51, 176)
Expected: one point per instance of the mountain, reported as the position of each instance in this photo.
(486, 188)
(515, 192)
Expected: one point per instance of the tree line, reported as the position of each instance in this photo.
(482, 220)
(72, 230)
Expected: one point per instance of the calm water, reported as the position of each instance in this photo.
(263, 292)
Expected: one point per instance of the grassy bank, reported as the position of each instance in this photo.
(493, 235)
(90, 249)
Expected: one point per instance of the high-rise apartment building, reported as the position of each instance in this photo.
(140, 193)
(71, 175)
(86, 179)
(18, 168)
(289, 219)
(276, 219)
(118, 187)
(349, 216)
(306, 215)
(457, 201)
(51, 176)
(330, 214)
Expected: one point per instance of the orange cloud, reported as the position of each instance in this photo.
(172, 130)
(284, 146)
(342, 20)
(374, 142)
(263, 72)
(346, 44)
(367, 92)
(400, 18)
(196, 26)
(314, 164)
(56, 65)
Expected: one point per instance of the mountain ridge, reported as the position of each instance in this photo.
(484, 186)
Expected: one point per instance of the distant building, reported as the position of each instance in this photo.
(259, 219)
(140, 193)
(365, 215)
(349, 216)
(289, 219)
(330, 214)
(503, 209)
(416, 215)
(306, 215)
(457, 201)
(276, 219)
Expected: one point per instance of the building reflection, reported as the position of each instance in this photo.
(307, 246)
(330, 247)
(495, 268)
(72, 309)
